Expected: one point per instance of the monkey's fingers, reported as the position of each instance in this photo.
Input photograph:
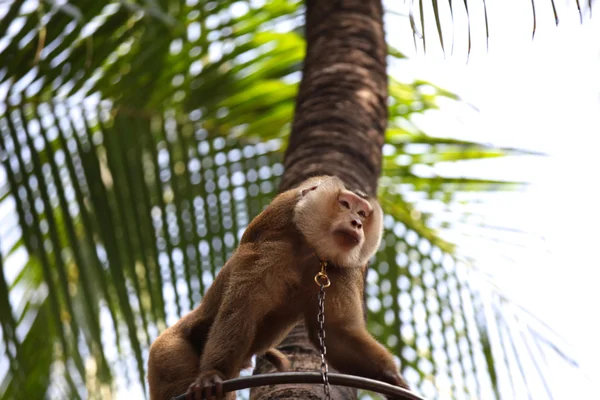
(208, 392)
(395, 378)
(218, 385)
(197, 392)
(402, 383)
(206, 385)
(194, 392)
(191, 394)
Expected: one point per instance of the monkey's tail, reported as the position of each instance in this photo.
(278, 359)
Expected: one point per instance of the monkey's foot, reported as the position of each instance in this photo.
(396, 379)
(204, 385)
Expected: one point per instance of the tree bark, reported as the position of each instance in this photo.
(341, 108)
(338, 129)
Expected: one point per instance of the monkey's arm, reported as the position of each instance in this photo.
(173, 362)
(350, 347)
(249, 297)
(172, 365)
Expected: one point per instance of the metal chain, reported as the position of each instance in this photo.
(323, 281)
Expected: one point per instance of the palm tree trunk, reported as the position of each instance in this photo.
(338, 129)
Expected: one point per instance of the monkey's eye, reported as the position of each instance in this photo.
(310, 189)
(362, 214)
(345, 204)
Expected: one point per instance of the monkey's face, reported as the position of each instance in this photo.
(353, 211)
(342, 226)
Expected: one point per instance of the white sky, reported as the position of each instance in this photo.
(542, 95)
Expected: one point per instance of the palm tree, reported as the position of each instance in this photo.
(339, 125)
(138, 139)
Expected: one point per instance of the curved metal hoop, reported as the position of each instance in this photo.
(279, 378)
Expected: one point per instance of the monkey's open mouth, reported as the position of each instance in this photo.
(347, 237)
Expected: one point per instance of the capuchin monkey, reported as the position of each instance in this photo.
(268, 286)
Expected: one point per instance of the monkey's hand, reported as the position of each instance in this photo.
(205, 384)
(394, 378)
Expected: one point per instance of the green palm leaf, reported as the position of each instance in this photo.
(439, 13)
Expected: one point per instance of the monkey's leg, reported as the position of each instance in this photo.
(230, 340)
(350, 348)
(172, 366)
(229, 345)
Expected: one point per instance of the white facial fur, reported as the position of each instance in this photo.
(318, 212)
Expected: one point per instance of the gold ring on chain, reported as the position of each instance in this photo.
(322, 276)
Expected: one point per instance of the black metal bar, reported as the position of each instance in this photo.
(314, 378)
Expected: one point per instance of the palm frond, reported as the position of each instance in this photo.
(448, 14)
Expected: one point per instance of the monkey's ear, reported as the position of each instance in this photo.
(304, 191)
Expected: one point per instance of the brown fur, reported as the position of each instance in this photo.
(278, 359)
(267, 286)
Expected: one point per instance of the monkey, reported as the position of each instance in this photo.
(267, 286)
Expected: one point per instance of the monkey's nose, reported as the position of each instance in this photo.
(356, 223)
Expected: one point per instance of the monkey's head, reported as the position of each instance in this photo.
(342, 226)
